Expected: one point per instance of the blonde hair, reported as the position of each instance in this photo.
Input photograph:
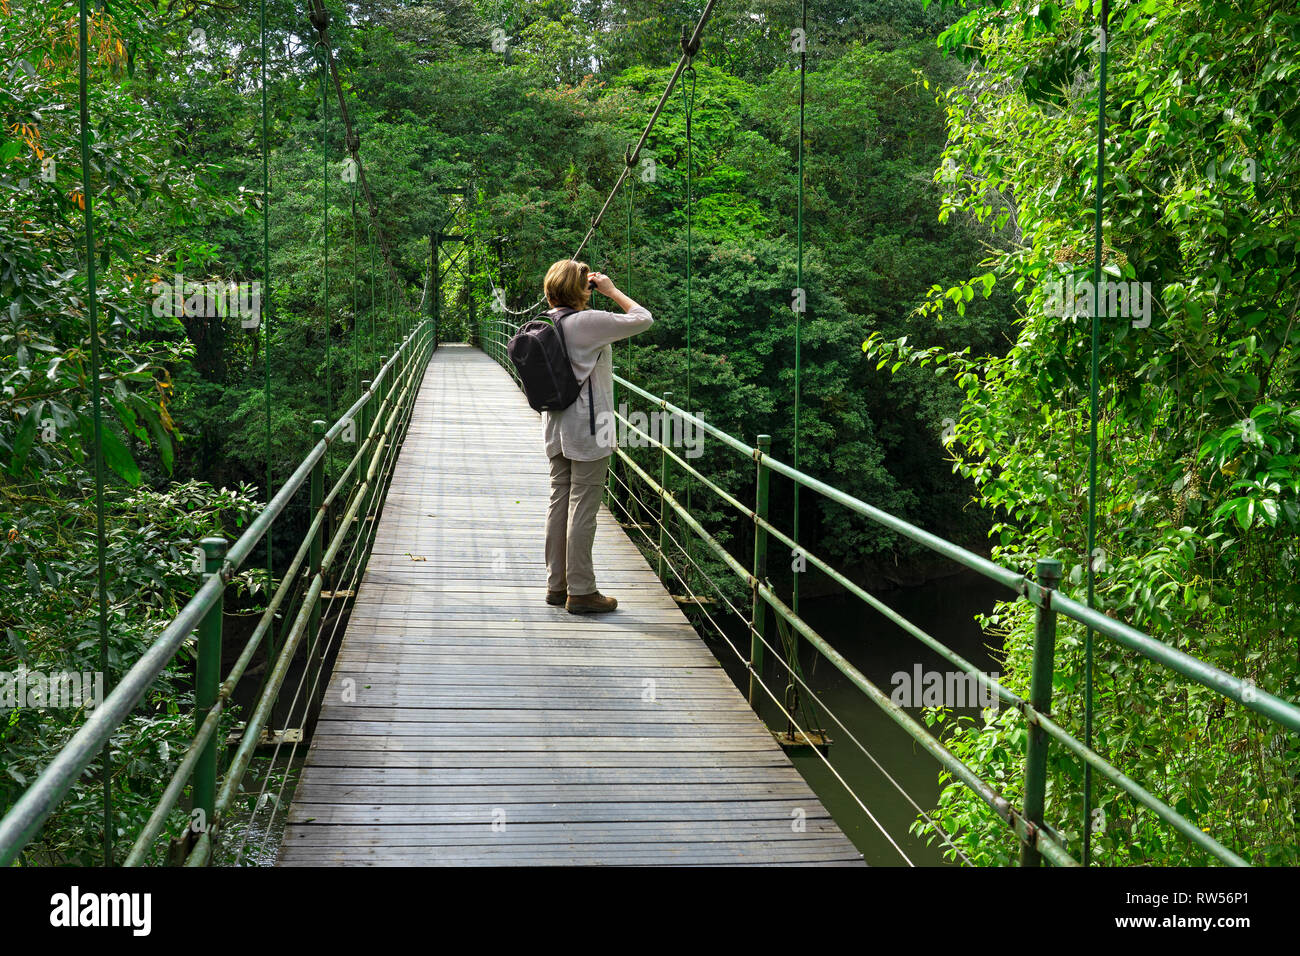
(566, 284)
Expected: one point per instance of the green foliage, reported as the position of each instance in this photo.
(928, 265)
(47, 569)
(1199, 480)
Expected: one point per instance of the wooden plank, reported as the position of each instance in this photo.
(467, 686)
(450, 835)
(467, 722)
(430, 761)
(808, 851)
(548, 776)
(302, 812)
(604, 727)
(502, 640)
(498, 795)
(505, 670)
(386, 699)
(384, 716)
(500, 743)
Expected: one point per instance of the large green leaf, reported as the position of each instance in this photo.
(119, 458)
(25, 438)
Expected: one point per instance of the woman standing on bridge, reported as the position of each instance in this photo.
(580, 453)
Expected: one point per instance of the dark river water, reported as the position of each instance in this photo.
(880, 649)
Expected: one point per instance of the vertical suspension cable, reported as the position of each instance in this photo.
(267, 313)
(789, 637)
(1098, 300)
(688, 100)
(688, 104)
(629, 348)
(803, 298)
(370, 237)
(325, 218)
(356, 355)
(96, 398)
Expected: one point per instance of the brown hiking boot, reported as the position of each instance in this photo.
(556, 598)
(593, 603)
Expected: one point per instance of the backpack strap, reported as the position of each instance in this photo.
(563, 312)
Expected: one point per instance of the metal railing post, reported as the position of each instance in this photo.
(663, 486)
(759, 607)
(435, 294)
(314, 656)
(207, 680)
(367, 414)
(472, 324)
(1040, 698)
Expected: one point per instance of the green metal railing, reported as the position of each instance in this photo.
(1038, 839)
(382, 411)
(377, 420)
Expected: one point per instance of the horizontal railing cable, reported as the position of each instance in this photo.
(39, 800)
(401, 410)
(1043, 837)
(361, 492)
(789, 716)
(795, 675)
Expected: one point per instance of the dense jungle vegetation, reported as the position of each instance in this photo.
(950, 165)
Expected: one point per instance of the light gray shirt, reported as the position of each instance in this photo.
(588, 335)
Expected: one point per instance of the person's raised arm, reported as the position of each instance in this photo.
(605, 286)
(618, 327)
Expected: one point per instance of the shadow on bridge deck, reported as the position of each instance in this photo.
(467, 722)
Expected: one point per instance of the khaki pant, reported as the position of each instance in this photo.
(576, 489)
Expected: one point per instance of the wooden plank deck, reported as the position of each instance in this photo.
(490, 728)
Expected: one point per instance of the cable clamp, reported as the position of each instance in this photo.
(689, 48)
(320, 17)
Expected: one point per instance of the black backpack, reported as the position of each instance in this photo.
(541, 357)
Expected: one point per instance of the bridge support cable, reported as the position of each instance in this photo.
(690, 46)
(325, 234)
(96, 401)
(800, 301)
(320, 19)
(688, 108)
(268, 305)
(1044, 841)
(356, 271)
(789, 715)
(1099, 303)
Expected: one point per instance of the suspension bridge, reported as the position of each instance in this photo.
(448, 716)
(467, 721)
